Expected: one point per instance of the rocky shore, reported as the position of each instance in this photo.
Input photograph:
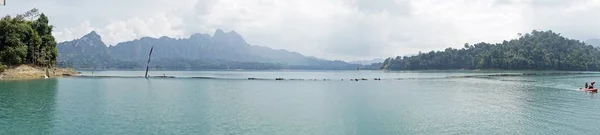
(25, 72)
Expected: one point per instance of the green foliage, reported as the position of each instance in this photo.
(2, 67)
(27, 41)
(540, 50)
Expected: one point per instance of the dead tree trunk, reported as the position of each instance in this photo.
(148, 64)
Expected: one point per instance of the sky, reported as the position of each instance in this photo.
(331, 29)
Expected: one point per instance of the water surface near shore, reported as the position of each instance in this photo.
(540, 104)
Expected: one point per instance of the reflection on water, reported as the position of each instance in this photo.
(27, 107)
(592, 94)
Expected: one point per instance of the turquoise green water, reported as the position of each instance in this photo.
(546, 104)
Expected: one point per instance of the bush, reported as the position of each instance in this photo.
(2, 67)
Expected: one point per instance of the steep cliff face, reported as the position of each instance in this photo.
(87, 51)
(222, 47)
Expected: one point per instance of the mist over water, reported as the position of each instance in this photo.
(436, 104)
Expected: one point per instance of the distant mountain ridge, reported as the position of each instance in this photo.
(199, 51)
(367, 62)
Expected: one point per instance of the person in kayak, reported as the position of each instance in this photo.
(586, 85)
(591, 86)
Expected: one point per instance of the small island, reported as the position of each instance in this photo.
(538, 50)
(27, 48)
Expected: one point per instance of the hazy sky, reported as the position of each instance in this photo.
(332, 29)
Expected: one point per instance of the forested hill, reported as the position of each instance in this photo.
(538, 50)
(27, 39)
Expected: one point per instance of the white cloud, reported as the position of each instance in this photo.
(133, 28)
(74, 32)
(333, 29)
(160, 25)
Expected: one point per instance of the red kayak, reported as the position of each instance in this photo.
(591, 90)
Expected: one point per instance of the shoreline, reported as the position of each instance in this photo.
(27, 72)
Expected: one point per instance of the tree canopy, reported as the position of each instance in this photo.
(27, 39)
(538, 50)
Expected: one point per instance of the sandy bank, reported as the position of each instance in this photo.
(29, 72)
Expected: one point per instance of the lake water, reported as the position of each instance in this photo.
(427, 102)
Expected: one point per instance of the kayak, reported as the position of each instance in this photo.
(592, 90)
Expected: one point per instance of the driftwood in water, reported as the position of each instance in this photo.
(148, 64)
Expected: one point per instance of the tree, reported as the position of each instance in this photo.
(27, 41)
(31, 14)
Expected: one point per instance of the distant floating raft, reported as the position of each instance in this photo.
(488, 76)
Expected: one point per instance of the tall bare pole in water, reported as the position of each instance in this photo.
(148, 64)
